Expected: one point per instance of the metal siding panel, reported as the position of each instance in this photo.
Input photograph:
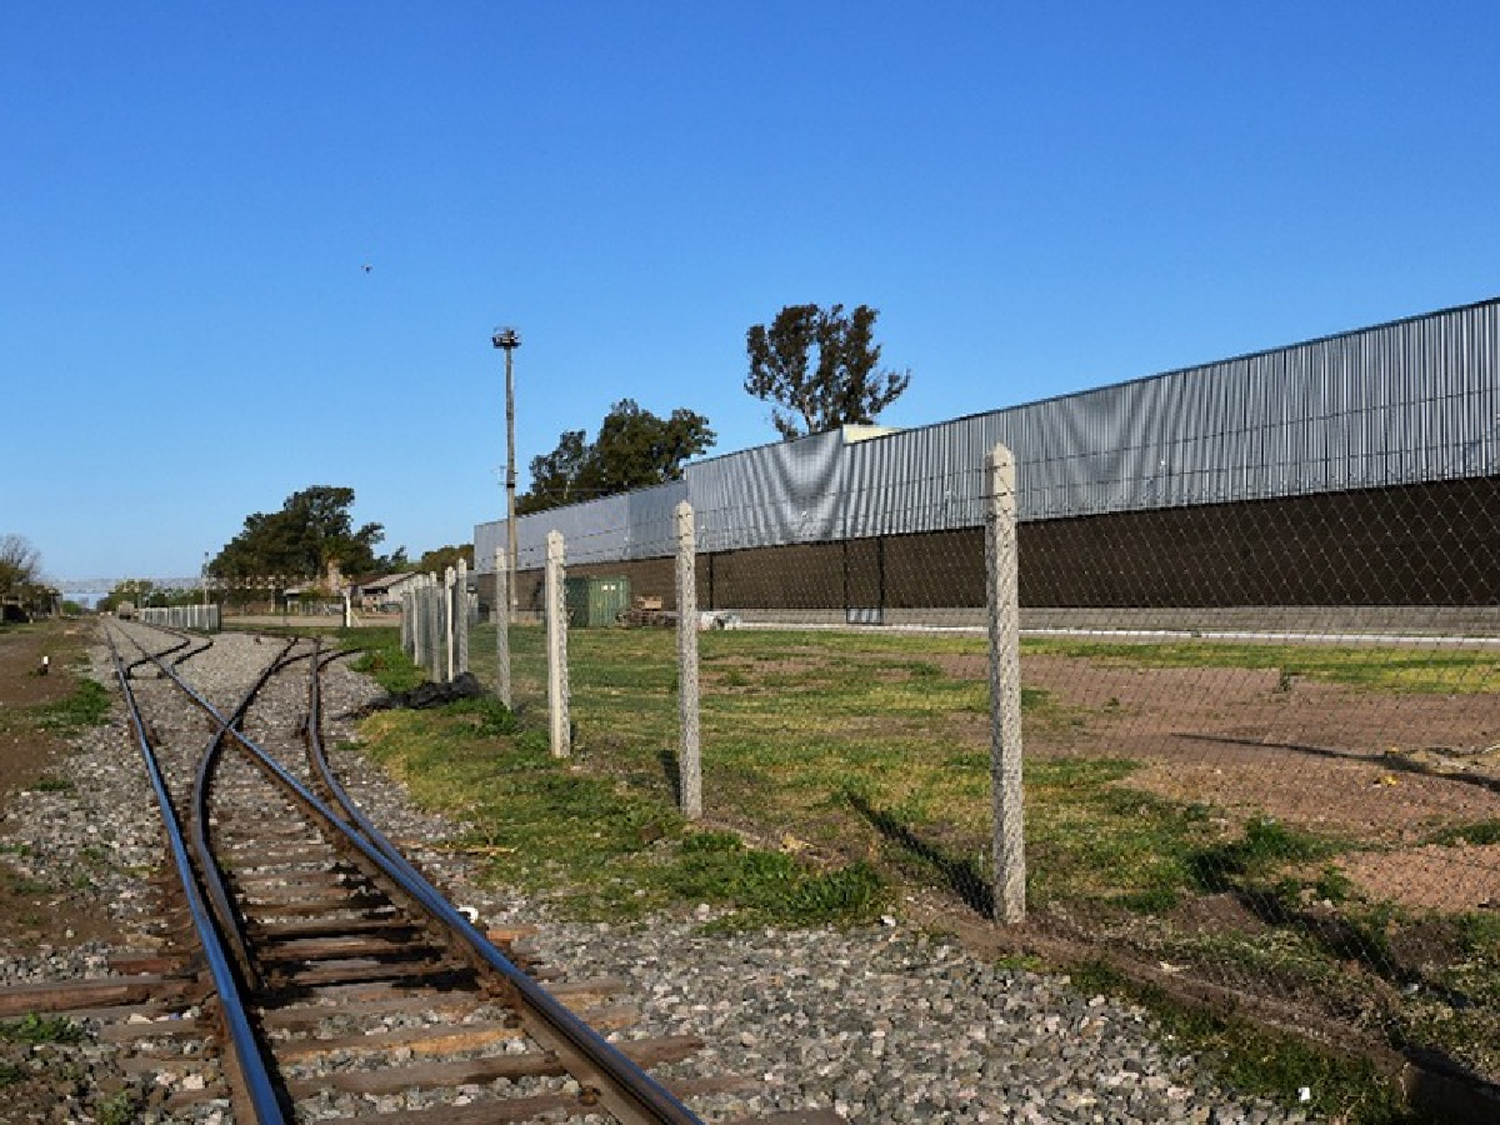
(771, 495)
(488, 537)
(651, 520)
(1398, 403)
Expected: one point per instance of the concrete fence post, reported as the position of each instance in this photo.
(461, 618)
(500, 612)
(689, 761)
(557, 646)
(432, 629)
(1009, 843)
(447, 611)
(406, 623)
(418, 622)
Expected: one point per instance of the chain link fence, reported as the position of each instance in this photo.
(1261, 735)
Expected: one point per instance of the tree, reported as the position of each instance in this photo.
(844, 387)
(634, 449)
(20, 565)
(435, 562)
(555, 475)
(21, 573)
(393, 563)
(312, 531)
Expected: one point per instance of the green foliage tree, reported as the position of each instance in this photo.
(20, 566)
(634, 449)
(435, 562)
(556, 476)
(843, 387)
(312, 530)
(393, 563)
(21, 575)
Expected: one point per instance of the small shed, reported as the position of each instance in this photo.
(595, 601)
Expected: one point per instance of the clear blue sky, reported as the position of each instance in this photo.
(1038, 199)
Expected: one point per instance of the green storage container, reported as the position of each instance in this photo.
(595, 601)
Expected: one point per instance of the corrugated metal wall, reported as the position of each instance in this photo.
(791, 492)
(1410, 402)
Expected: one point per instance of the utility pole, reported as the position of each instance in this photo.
(509, 339)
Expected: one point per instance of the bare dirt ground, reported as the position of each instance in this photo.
(40, 914)
(31, 913)
(1382, 769)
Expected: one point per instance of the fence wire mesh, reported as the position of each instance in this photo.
(1261, 736)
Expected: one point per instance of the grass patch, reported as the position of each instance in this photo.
(1478, 833)
(1265, 847)
(87, 706)
(120, 1108)
(770, 887)
(36, 1028)
(1255, 1060)
(870, 751)
(382, 657)
(593, 846)
(1091, 837)
(1481, 935)
(24, 886)
(1383, 668)
(867, 743)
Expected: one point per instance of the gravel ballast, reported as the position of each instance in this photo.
(879, 1024)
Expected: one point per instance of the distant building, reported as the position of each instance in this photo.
(386, 590)
(1356, 469)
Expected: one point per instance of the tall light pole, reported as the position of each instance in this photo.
(510, 340)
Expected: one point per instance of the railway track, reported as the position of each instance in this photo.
(325, 976)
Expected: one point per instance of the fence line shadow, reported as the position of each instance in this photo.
(671, 770)
(1389, 761)
(961, 876)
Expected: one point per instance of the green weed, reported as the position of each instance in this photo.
(87, 706)
(597, 848)
(382, 657)
(770, 888)
(1265, 846)
(1090, 836)
(1476, 834)
(120, 1108)
(34, 1028)
(1256, 1060)
(1385, 669)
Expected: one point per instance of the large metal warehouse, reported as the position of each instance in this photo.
(1358, 469)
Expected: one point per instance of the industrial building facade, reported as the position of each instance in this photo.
(1361, 469)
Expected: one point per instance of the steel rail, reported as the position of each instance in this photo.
(563, 1031)
(230, 924)
(312, 736)
(245, 1051)
(184, 640)
(626, 1089)
(230, 921)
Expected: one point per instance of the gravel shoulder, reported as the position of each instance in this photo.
(881, 1024)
